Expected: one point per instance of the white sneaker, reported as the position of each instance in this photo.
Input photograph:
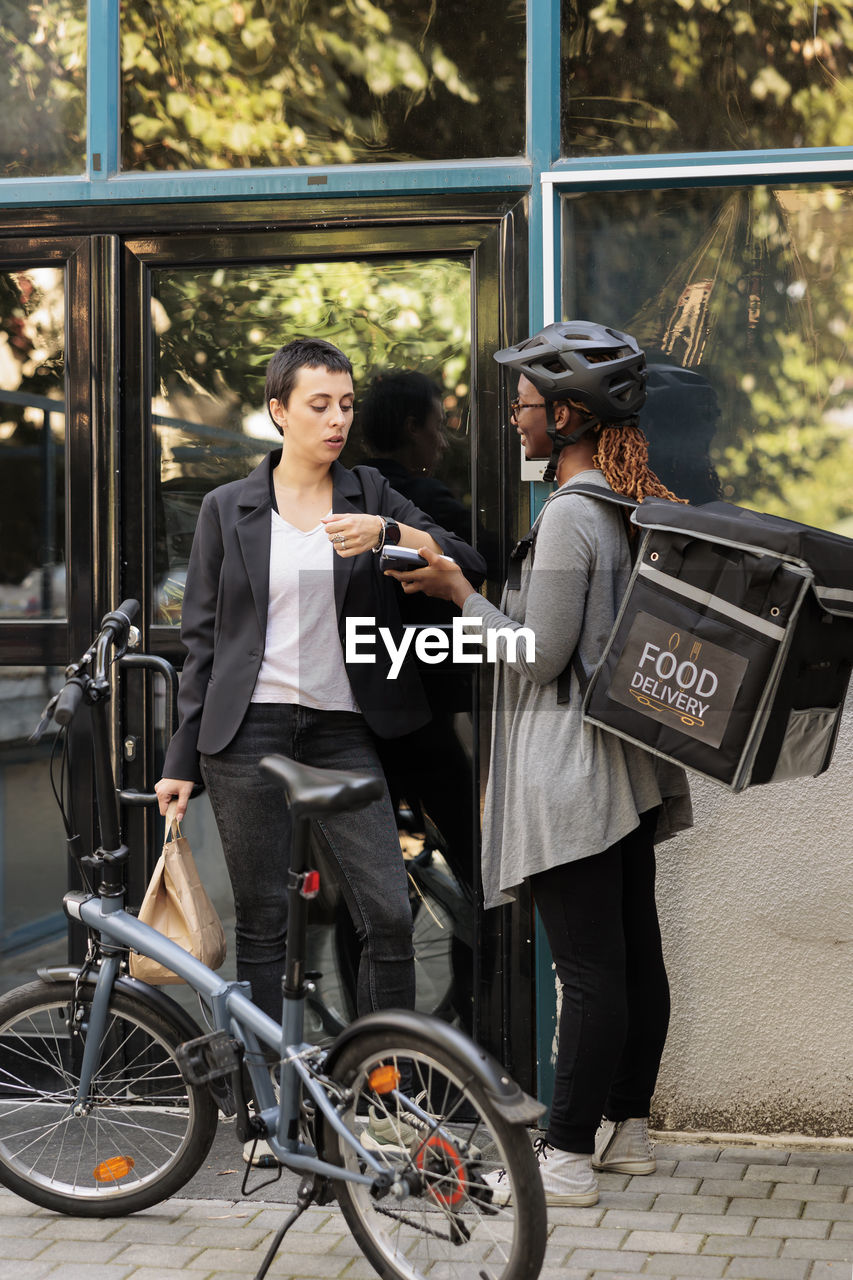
(259, 1155)
(624, 1146)
(567, 1178)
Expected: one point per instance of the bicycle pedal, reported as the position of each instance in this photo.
(209, 1057)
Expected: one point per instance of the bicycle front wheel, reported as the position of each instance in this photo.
(456, 1222)
(143, 1131)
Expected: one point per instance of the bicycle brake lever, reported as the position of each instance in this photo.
(46, 717)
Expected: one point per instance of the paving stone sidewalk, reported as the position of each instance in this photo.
(738, 1212)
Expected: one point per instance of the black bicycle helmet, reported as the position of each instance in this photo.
(601, 368)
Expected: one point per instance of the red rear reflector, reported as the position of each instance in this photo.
(310, 884)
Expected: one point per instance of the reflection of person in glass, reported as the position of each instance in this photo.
(401, 421)
(680, 419)
(570, 809)
(279, 560)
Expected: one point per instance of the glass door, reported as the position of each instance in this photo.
(417, 311)
(48, 571)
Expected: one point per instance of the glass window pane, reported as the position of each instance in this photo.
(256, 83)
(31, 883)
(215, 332)
(43, 87)
(32, 443)
(741, 300)
(694, 75)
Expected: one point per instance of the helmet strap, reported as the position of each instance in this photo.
(559, 442)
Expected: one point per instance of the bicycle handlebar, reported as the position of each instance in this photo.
(118, 622)
(70, 697)
(113, 633)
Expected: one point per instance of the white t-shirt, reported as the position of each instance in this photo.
(302, 661)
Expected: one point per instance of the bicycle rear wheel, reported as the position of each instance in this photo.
(145, 1131)
(449, 1226)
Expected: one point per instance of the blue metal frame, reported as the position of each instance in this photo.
(263, 184)
(103, 183)
(103, 101)
(543, 131)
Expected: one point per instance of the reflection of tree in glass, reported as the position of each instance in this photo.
(287, 82)
(32, 339)
(706, 75)
(751, 288)
(43, 87)
(216, 330)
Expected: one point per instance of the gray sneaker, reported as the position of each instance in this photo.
(389, 1132)
(624, 1146)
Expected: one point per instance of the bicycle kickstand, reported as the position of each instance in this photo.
(304, 1197)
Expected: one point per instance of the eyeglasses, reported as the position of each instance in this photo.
(516, 406)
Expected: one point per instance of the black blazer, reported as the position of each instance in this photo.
(224, 620)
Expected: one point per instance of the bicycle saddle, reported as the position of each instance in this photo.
(312, 791)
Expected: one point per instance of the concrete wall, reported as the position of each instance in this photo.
(757, 917)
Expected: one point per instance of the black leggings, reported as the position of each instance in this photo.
(601, 920)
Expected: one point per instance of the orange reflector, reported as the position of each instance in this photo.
(383, 1079)
(114, 1169)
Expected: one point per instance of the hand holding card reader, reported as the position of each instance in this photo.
(400, 559)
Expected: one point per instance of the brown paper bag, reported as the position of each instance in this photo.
(177, 905)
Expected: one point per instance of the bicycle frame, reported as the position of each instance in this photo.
(303, 1067)
(234, 1013)
(232, 1010)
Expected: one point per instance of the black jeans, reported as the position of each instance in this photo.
(601, 920)
(255, 828)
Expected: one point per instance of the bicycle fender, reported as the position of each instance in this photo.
(505, 1094)
(165, 1005)
(183, 1022)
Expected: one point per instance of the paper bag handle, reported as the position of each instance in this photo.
(172, 823)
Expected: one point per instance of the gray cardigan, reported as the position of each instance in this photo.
(560, 789)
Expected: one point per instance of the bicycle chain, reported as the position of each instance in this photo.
(425, 1230)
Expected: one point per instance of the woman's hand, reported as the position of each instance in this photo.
(170, 788)
(352, 534)
(442, 578)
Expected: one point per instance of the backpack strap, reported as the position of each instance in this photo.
(574, 664)
(517, 557)
(525, 545)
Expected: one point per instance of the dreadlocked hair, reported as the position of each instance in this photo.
(622, 455)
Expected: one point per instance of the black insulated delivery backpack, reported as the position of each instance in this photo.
(732, 650)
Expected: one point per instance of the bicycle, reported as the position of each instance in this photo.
(110, 1091)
